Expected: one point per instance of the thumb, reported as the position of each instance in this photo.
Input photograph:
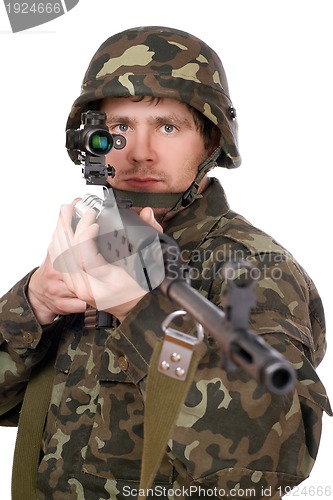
(147, 215)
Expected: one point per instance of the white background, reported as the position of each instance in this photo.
(278, 58)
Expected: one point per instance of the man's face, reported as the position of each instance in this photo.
(163, 145)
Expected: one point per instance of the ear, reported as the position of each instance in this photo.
(215, 139)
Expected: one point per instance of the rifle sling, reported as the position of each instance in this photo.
(28, 441)
(31, 423)
(164, 399)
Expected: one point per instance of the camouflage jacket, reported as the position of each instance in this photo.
(231, 435)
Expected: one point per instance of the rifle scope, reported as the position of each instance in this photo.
(94, 137)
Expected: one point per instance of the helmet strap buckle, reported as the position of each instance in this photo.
(189, 194)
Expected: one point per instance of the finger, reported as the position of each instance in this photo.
(63, 259)
(87, 219)
(75, 201)
(62, 241)
(85, 240)
(75, 252)
(147, 215)
(69, 305)
(86, 253)
(63, 234)
(63, 251)
(51, 291)
(114, 288)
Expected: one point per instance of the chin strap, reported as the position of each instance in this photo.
(172, 201)
(143, 199)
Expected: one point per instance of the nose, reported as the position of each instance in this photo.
(140, 148)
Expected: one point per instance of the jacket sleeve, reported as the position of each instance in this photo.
(23, 344)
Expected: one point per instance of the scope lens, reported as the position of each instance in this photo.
(100, 144)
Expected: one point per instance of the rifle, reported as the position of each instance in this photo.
(153, 259)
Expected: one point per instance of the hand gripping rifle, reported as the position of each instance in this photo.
(153, 259)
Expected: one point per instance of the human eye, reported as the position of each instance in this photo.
(123, 127)
(120, 128)
(168, 128)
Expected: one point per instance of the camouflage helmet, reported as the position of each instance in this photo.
(161, 62)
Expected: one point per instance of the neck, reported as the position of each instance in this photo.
(164, 215)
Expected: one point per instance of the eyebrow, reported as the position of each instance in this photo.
(117, 118)
(173, 120)
(154, 120)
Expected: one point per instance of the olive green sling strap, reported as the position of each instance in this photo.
(172, 368)
(164, 399)
(31, 425)
(28, 442)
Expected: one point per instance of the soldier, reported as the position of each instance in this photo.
(166, 92)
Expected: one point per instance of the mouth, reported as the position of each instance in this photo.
(141, 182)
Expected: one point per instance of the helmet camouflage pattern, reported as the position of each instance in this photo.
(161, 62)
